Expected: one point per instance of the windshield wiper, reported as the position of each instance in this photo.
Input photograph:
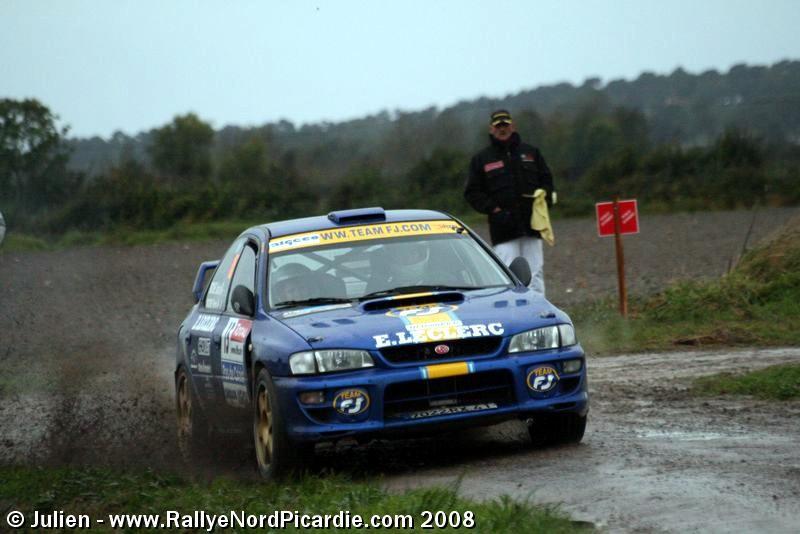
(316, 300)
(413, 289)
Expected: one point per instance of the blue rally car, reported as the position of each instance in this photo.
(370, 323)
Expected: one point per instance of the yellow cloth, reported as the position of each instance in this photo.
(540, 217)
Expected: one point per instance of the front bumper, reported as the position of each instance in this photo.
(494, 389)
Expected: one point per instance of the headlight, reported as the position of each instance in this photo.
(325, 361)
(549, 337)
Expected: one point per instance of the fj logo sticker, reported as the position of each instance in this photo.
(351, 402)
(542, 379)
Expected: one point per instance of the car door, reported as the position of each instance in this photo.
(205, 333)
(234, 334)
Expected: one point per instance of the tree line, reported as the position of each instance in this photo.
(187, 171)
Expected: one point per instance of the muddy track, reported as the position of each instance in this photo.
(655, 458)
(87, 348)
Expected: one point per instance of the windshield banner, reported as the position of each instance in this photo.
(362, 233)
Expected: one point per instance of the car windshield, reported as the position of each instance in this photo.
(346, 271)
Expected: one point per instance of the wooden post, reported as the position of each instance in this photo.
(623, 292)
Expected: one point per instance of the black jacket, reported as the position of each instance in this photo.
(499, 176)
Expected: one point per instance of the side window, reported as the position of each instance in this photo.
(218, 289)
(245, 272)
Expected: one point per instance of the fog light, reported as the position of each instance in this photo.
(572, 366)
(312, 397)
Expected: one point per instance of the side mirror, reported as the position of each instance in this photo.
(243, 301)
(200, 279)
(521, 268)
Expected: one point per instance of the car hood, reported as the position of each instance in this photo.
(420, 318)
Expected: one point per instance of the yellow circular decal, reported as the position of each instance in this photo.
(351, 402)
(542, 379)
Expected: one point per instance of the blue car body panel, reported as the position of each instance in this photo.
(411, 386)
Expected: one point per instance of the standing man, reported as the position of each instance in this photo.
(503, 180)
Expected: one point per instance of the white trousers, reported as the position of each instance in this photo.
(529, 248)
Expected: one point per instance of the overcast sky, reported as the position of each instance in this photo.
(133, 65)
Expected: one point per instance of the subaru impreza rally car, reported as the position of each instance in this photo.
(370, 323)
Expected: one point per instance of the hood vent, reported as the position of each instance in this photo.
(413, 300)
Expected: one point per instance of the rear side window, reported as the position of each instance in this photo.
(217, 294)
(245, 272)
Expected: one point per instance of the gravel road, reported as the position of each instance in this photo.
(87, 344)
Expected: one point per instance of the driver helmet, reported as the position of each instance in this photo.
(412, 261)
(291, 282)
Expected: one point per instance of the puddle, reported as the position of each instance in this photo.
(685, 436)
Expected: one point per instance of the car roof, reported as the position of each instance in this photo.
(324, 222)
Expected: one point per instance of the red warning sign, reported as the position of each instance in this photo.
(628, 217)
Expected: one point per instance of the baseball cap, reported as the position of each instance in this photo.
(500, 116)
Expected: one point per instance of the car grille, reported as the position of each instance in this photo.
(459, 348)
(478, 388)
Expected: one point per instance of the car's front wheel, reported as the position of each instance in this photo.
(276, 455)
(555, 429)
(192, 426)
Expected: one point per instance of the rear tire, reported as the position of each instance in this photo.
(276, 454)
(192, 425)
(555, 429)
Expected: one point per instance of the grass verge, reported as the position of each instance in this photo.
(98, 492)
(778, 382)
(756, 304)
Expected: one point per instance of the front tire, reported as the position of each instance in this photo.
(557, 429)
(276, 455)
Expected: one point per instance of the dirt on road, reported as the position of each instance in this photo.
(87, 341)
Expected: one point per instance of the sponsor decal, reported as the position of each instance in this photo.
(216, 288)
(216, 294)
(205, 323)
(234, 375)
(351, 402)
(201, 365)
(434, 322)
(527, 157)
(236, 395)
(542, 379)
(295, 241)
(204, 346)
(450, 410)
(489, 167)
(362, 233)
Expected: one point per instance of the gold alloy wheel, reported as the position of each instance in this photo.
(184, 411)
(263, 429)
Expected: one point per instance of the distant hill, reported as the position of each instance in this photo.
(680, 107)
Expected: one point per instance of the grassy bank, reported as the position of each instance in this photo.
(758, 303)
(779, 382)
(99, 492)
